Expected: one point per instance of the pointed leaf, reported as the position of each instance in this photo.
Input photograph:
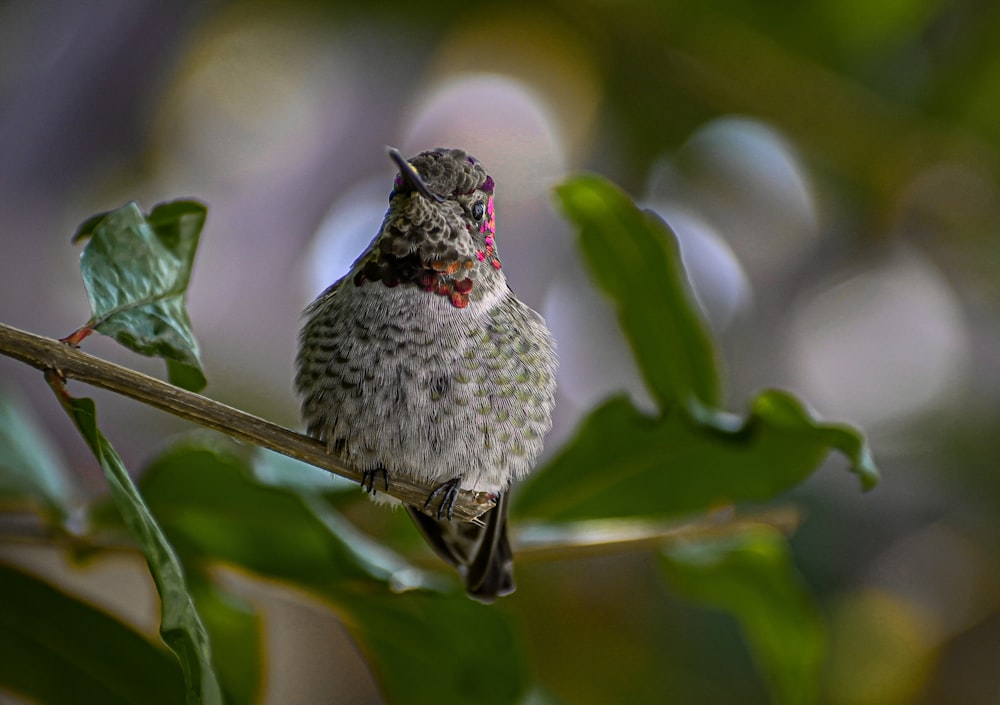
(55, 649)
(136, 269)
(622, 463)
(635, 258)
(180, 625)
(751, 576)
(30, 468)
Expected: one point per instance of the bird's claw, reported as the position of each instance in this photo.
(370, 477)
(448, 493)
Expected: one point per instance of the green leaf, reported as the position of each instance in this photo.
(136, 269)
(428, 648)
(635, 258)
(30, 468)
(180, 625)
(751, 576)
(622, 463)
(55, 649)
(212, 510)
(237, 641)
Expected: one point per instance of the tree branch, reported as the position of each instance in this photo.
(48, 354)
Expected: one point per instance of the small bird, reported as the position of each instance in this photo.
(421, 363)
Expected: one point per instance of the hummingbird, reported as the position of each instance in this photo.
(421, 363)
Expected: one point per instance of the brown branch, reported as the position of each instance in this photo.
(47, 354)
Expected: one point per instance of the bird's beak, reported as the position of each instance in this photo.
(411, 177)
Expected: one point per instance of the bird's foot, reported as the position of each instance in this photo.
(369, 478)
(448, 494)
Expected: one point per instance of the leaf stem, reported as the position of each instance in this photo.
(54, 357)
(76, 337)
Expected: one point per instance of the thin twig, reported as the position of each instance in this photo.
(533, 542)
(47, 354)
(546, 542)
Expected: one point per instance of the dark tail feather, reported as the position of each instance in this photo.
(480, 552)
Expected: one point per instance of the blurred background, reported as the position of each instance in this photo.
(830, 168)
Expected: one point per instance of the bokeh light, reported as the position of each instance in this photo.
(745, 179)
(884, 346)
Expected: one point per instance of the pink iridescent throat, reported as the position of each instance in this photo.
(489, 228)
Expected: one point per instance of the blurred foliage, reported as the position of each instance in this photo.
(97, 659)
(30, 469)
(875, 91)
(751, 576)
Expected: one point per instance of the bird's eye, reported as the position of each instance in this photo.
(478, 210)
